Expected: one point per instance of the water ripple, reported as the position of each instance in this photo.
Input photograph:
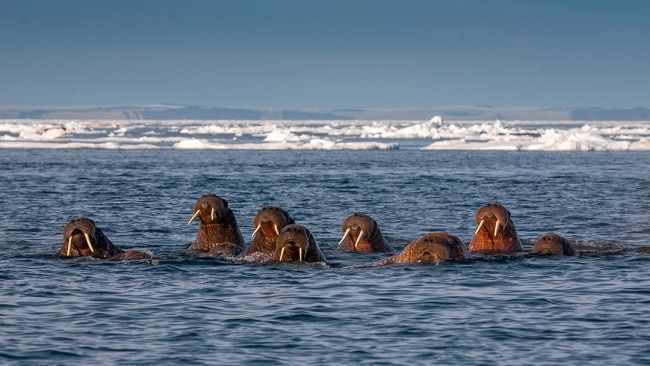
(180, 308)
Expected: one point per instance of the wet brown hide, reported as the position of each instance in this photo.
(431, 247)
(553, 244)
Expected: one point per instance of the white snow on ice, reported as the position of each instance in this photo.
(434, 134)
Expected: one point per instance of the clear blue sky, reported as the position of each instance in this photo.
(330, 54)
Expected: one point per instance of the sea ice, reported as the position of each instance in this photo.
(327, 135)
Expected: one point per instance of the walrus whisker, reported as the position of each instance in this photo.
(259, 226)
(275, 226)
(69, 246)
(196, 214)
(358, 240)
(300, 254)
(92, 250)
(496, 228)
(480, 225)
(212, 214)
(282, 252)
(344, 236)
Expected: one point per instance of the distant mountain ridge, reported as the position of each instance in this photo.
(190, 112)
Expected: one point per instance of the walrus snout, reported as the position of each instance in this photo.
(355, 234)
(428, 257)
(292, 251)
(79, 235)
(267, 226)
(493, 216)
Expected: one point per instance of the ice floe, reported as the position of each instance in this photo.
(434, 134)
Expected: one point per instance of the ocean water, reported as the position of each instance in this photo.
(588, 309)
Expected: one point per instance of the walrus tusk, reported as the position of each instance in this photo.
(259, 226)
(344, 236)
(196, 214)
(282, 252)
(300, 254)
(92, 250)
(275, 226)
(212, 214)
(496, 228)
(480, 225)
(69, 246)
(358, 240)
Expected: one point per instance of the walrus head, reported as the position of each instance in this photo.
(553, 244)
(296, 243)
(361, 233)
(432, 247)
(217, 226)
(267, 224)
(270, 220)
(495, 231)
(210, 209)
(82, 238)
(492, 216)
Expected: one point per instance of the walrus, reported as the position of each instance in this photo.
(553, 244)
(267, 224)
(495, 232)
(81, 238)
(295, 243)
(218, 229)
(431, 247)
(361, 233)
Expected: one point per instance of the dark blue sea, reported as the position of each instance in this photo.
(177, 309)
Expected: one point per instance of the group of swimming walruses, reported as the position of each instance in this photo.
(277, 237)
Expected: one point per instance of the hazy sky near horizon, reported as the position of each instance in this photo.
(326, 54)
